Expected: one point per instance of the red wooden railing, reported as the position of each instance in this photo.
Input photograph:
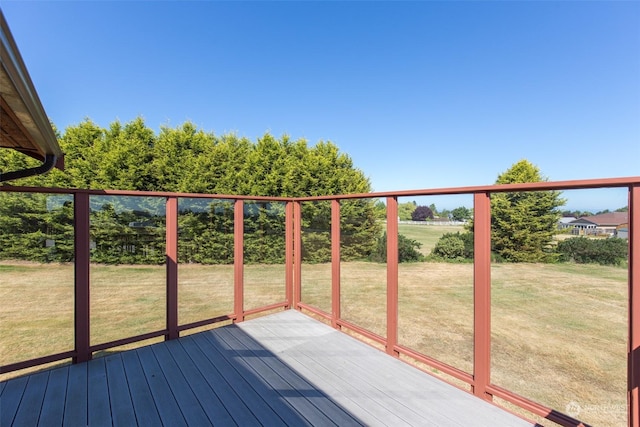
(83, 349)
(479, 381)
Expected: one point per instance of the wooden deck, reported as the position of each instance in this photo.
(282, 369)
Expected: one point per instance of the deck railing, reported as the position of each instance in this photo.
(479, 380)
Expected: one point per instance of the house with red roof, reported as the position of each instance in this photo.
(606, 224)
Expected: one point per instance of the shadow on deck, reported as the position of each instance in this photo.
(282, 369)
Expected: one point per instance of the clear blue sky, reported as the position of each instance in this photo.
(419, 94)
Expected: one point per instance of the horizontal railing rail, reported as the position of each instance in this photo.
(479, 381)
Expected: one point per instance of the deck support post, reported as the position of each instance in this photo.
(633, 364)
(335, 263)
(172, 268)
(82, 280)
(392, 275)
(289, 254)
(238, 264)
(297, 255)
(482, 295)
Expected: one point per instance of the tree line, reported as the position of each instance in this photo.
(186, 159)
(132, 156)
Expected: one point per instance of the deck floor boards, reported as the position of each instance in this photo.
(278, 370)
(144, 406)
(99, 410)
(32, 399)
(52, 411)
(77, 396)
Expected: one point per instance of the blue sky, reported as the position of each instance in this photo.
(419, 94)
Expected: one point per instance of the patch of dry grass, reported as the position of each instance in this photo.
(563, 327)
(558, 331)
(435, 315)
(263, 285)
(204, 293)
(316, 289)
(36, 315)
(126, 301)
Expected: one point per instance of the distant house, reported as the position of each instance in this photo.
(565, 222)
(606, 224)
(622, 231)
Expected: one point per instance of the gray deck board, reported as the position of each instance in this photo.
(345, 387)
(121, 405)
(263, 402)
(293, 389)
(99, 411)
(168, 409)
(285, 369)
(299, 384)
(10, 399)
(31, 403)
(142, 399)
(52, 411)
(230, 396)
(357, 365)
(186, 399)
(208, 399)
(418, 400)
(75, 408)
(286, 399)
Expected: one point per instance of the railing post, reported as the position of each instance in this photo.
(289, 253)
(481, 294)
(238, 263)
(172, 268)
(392, 275)
(82, 280)
(297, 254)
(633, 361)
(335, 263)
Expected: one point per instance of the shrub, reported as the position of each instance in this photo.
(450, 247)
(407, 250)
(583, 250)
(422, 213)
(454, 246)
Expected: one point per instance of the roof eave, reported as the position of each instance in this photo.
(25, 117)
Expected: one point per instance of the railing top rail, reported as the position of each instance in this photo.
(493, 188)
(138, 193)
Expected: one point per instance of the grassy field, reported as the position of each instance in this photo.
(558, 331)
(428, 235)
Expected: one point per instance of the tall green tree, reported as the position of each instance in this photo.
(125, 157)
(461, 213)
(175, 157)
(523, 223)
(79, 143)
(405, 210)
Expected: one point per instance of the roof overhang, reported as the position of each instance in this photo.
(24, 125)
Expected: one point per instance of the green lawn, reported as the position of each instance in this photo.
(427, 235)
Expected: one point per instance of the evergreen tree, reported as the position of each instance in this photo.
(523, 223)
